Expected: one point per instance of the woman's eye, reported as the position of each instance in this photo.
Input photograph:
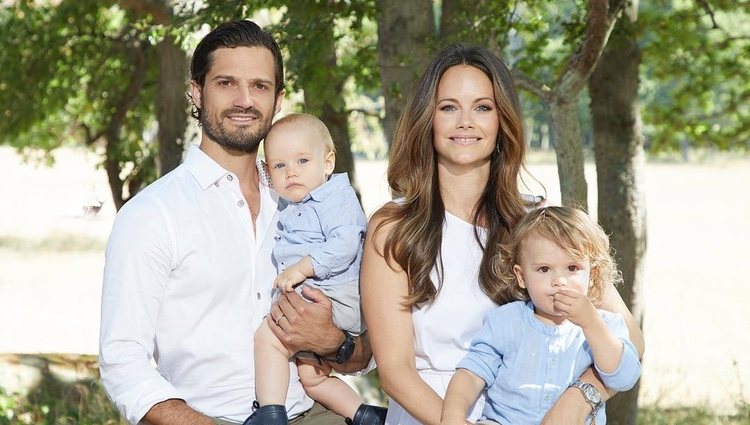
(544, 269)
(448, 108)
(303, 161)
(278, 166)
(484, 108)
(573, 268)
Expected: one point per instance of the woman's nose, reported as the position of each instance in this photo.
(465, 120)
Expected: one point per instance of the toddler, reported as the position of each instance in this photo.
(529, 351)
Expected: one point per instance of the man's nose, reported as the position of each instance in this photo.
(244, 99)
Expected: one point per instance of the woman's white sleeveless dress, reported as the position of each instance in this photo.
(444, 328)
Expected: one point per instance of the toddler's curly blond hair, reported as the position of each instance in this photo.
(573, 231)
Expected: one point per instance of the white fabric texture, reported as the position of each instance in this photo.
(186, 283)
(444, 328)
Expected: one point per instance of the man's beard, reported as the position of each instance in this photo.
(240, 139)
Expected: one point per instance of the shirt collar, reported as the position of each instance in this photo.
(335, 184)
(206, 171)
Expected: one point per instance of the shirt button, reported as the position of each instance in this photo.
(216, 184)
(546, 397)
(230, 178)
(240, 203)
(299, 214)
(258, 295)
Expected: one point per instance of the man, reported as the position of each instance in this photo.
(188, 271)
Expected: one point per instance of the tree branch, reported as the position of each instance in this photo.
(365, 112)
(599, 24)
(707, 7)
(531, 85)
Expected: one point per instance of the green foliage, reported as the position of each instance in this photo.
(65, 75)
(696, 78)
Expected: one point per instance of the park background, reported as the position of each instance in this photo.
(93, 105)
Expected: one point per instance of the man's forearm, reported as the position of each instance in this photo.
(174, 412)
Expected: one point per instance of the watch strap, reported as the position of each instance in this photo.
(343, 353)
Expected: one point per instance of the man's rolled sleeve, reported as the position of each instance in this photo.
(137, 266)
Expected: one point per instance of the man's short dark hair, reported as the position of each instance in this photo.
(231, 34)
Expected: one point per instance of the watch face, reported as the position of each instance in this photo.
(592, 394)
(345, 352)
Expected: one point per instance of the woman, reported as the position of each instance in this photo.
(426, 277)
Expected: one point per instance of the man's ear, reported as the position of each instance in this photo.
(279, 100)
(330, 162)
(196, 94)
(519, 275)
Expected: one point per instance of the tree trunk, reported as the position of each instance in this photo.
(324, 90)
(405, 29)
(171, 107)
(562, 98)
(618, 146)
(566, 131)
(113, 131)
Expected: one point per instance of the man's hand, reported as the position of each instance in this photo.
(305, 325)
(575, 306)
(289, 278)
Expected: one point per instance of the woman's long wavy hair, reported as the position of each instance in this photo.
(415, 239)
(573, 231)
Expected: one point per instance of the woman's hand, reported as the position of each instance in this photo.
(570, 409)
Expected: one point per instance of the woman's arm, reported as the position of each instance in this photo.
(391, 330)
(571, 407)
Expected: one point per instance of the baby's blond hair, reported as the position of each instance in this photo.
(311, 123)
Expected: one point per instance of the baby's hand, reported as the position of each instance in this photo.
(289, 278)
(575, 306)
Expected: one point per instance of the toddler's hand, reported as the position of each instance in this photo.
(575, 306)
(289, 278)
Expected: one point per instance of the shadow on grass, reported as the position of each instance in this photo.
(65, 391)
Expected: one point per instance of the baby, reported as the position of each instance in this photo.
(319, 243)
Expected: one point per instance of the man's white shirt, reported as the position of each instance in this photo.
(187, 281)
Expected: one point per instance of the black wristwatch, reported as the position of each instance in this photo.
(344, 353)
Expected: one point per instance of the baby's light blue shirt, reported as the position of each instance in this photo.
(329, 226)
(527, 364)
